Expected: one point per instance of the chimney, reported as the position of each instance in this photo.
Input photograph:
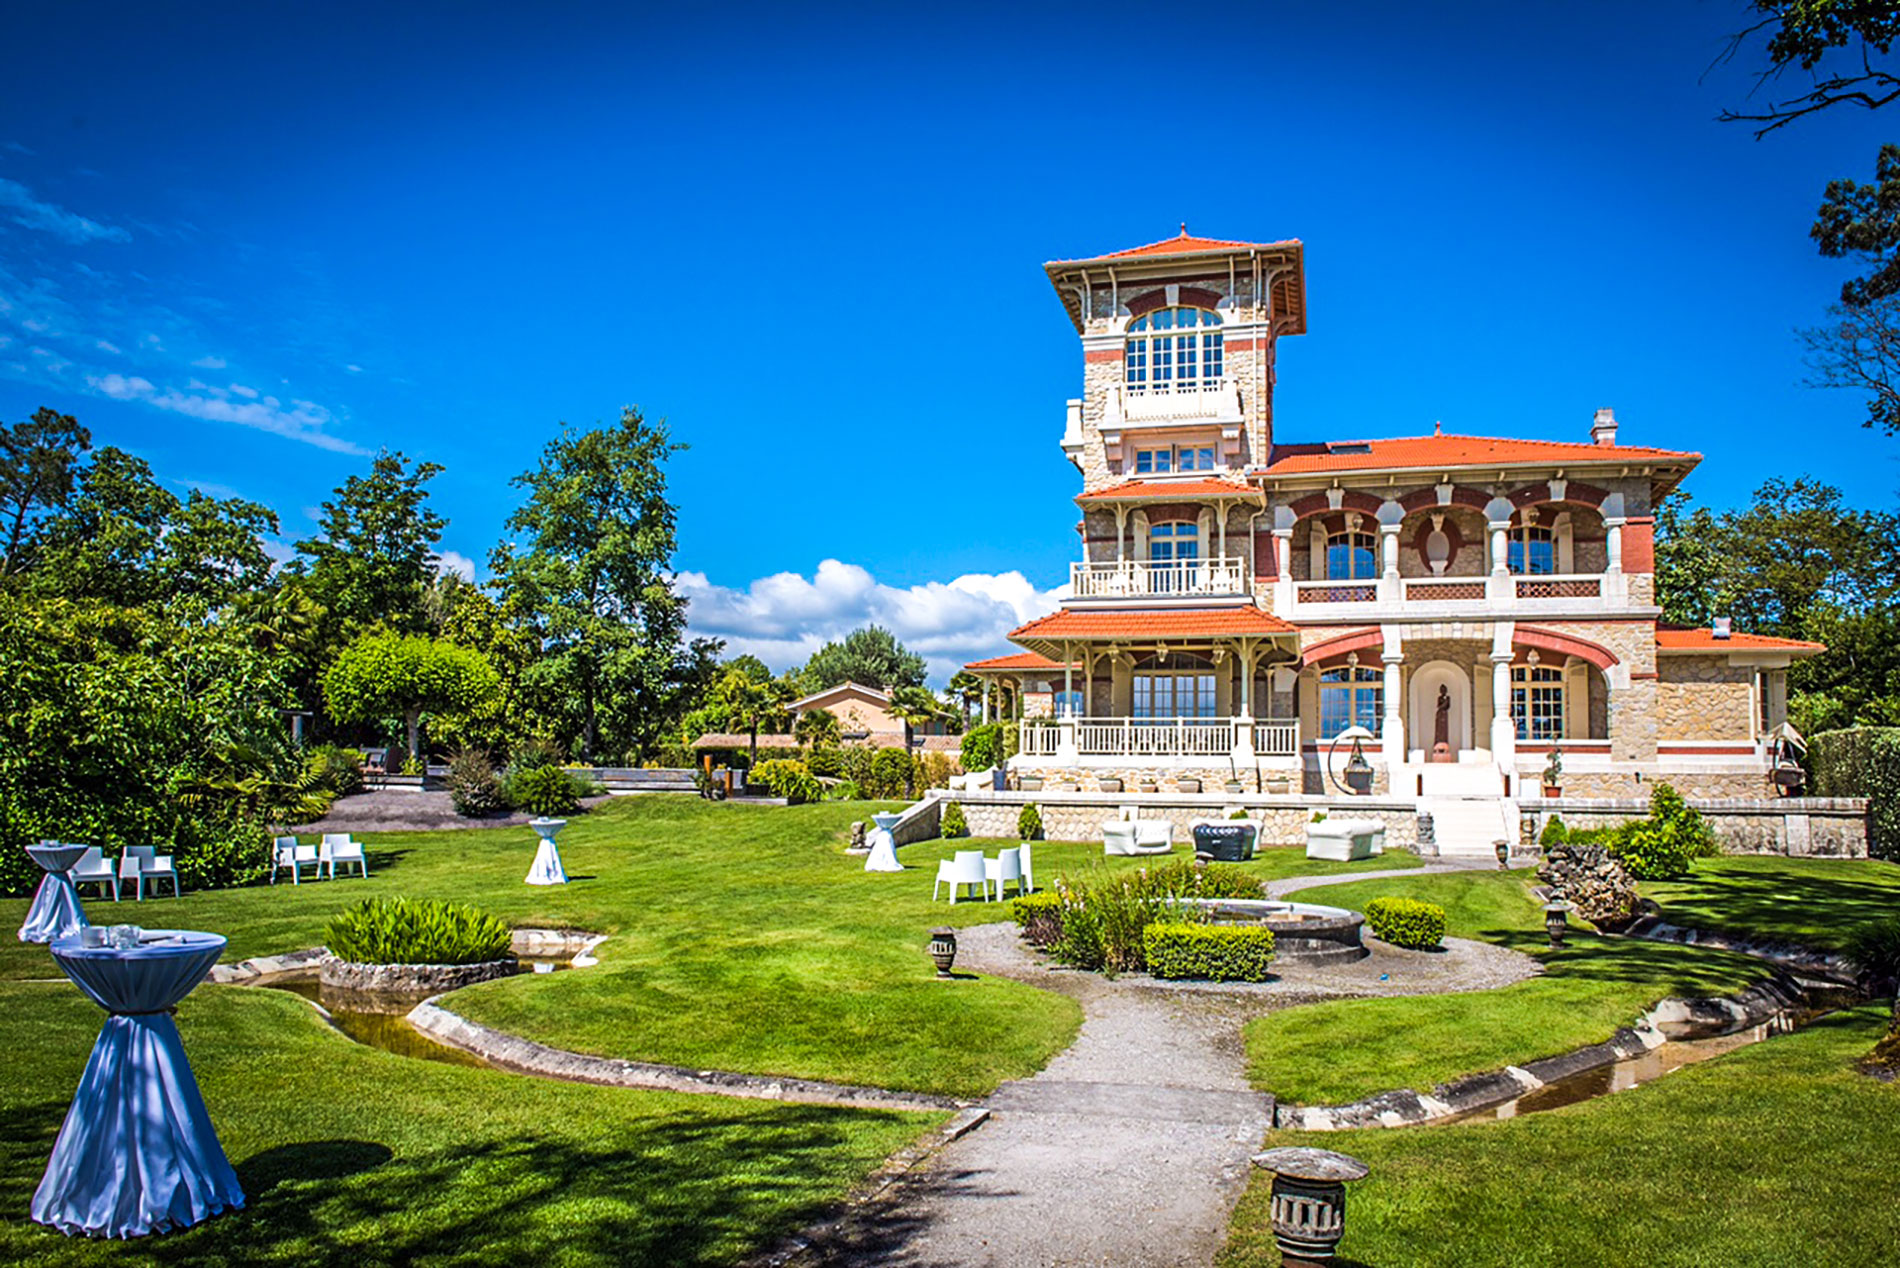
(1603, 429)
(1722, 627)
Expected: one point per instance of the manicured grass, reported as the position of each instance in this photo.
(743, 938)
(1330, 1053)
(350, 1156)
(1815, 902)
(1777, 1154)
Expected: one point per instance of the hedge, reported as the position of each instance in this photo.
(1863, 761)
(1212, 953)
(1406, 922)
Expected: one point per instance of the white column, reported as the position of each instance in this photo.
(1502, 592)
(987, 716)
(1392, 739)
(1283, 571)
(1503, 730)
(1389, 591)
(1615, 588)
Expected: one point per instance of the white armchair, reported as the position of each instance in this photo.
(1007, 866)
(966, 869)
(1343, 840)
(286, 853)
(1133, 835)
(140, 863)
(94, 868)
(340, 847)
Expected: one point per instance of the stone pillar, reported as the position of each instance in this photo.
(1283, 577)
(1243, 750)
(1389, 584)
(1613, 543)
(1066, 754)
(1501, 590)
(1392, 736)
(1503, 730)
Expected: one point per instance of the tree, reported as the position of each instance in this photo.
(592, 578)
(751, 703)
(380, 675)
(818, 728)
(967, 690)
(1806, 33)
(914, 707)
(871, 656)
(374, 555)
(38, 459)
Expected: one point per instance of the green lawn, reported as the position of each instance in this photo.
(355, 1157)
(1330, 1053)
(1778, 1154)
(1815, 902)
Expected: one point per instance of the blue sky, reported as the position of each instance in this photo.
(255, 243)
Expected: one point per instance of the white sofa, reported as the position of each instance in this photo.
(1344, 840)
(1129, 835)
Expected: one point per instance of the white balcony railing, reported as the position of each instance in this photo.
(1159, 737)
(1337, 591)
(1157, 579)
(1218, 401)
(1559, 587)
(1445, 590)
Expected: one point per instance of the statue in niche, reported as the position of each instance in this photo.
(1441, 726)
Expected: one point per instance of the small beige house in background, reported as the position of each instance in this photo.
(864, 717)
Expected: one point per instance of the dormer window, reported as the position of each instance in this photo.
(1174, 458)
(1173, 350)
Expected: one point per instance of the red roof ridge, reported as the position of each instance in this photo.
(1169, 488)
(1183, 243)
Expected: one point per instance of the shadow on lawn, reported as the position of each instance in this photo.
(677, 1189)
(1822, 909)
(1594, 957)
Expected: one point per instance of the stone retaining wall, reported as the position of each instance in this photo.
(1800, 827)
(412, 978)
(1078, 816)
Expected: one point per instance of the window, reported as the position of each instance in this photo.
(1351, 557)
(1182, 694)
(1173, 350)
(1180, 458)
(1177, 540)
(1350, 696)
(1068, 703)
(1537, 702)
(1532, 551)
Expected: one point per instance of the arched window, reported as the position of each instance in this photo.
(1537, 702)
(1173, 350)
(1174, 540)
(1350, 696)
(1351, 557)
(1179, 686)
(1532, 551)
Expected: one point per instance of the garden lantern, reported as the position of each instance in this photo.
(943, 950)
(1358, 770)
(1556, 919)
(1309, 1201)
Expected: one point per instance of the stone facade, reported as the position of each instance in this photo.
(1079, 816)
(1704, 698)
(1817, 827)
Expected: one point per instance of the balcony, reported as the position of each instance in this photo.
(1451, 596)
(1159, 738)
(1215, 402)
(1159, 579)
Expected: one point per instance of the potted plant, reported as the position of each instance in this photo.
(1234, 785)
(1277, 784)
(1188, 784)
(1032, 783)
(1554, 773)
(1148, 784)
(1110, 783)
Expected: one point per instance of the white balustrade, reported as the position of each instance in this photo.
(1160, 737)
(1218, 400)
(1157, 578)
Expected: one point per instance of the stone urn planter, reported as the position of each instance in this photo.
(1235, 786)
(1277, 784)
(1148, 785)
(1111, 785)
(1188, 785)
(1032, 783)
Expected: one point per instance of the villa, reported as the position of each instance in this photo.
(1247, 607)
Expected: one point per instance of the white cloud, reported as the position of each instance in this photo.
(103, 346)
(299, 420)
(210, 363)
(456, 562)
(354, 369)
(32, 213)
(784, 618)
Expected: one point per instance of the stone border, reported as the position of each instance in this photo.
(1789, 955)
(523, 1056)
(1670, 1019)
(267, 966)
(578, 943)
(411, 979)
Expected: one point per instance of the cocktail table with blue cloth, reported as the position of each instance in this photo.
(55, 911)
(137, 1153)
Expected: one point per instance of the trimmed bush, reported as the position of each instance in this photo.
(892, 773)
(1406, 922)
(1210, 953)
(416, 931)
(953, 824)
(544, 790)
(1039, 917)
(1863, 761)
(1029, 823)
(827, 762)
(982, 746)
(1554, 833)
(474, 787)
(1650, 851)
(788, 779)
(1684, 824)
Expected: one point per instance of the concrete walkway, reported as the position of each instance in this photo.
(1293, 884)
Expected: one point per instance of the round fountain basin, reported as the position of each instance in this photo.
(1305, 933)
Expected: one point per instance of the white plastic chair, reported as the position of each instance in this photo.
(1029, 868)
(340, 847)
(965, 869)
(142, 862)
(1007, 866)
(94, 868)
(286, 853)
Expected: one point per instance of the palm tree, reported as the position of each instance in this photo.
(914, 707)
(817, 728)
(751, 703)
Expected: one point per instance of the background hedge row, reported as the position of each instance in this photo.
(1863, 761)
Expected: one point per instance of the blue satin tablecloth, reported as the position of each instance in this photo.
(55, 911)
(137, 1153)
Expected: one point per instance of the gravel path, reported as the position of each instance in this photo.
(1132, 1147)
(382, 810)
(1293, 884)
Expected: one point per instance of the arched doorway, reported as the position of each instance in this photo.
(1422, 725)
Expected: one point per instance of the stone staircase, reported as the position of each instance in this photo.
(1468, 809)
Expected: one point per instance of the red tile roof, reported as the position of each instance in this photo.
(1186, 244)
(1676, 639)
(1151, 623)
(1170, 489)
(1455, 451)
(1019, 660)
